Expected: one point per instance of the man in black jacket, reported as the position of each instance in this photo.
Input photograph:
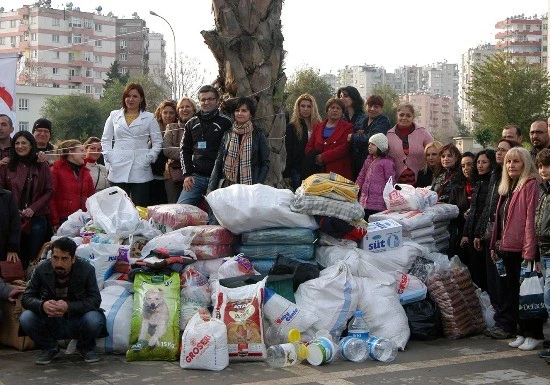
(62, 301)
(199, 147)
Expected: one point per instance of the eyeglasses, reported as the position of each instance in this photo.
(207, 100)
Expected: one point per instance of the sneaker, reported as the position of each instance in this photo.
(487, 331)
(89, 356)
(544, 353)
(47, 356)
(529, 344)
(519, 341)
(500, 334)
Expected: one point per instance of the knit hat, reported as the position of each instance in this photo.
(380, 141)
(42, 123)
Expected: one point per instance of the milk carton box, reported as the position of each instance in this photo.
(382, 235)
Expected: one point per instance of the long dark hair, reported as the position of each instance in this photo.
(14, 157)
(139, 89)
(490, 154)
(358, 101)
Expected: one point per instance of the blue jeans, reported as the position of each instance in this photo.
(46, 331)
(545, 264)
(197, 192)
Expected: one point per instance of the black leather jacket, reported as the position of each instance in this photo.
(542, 228)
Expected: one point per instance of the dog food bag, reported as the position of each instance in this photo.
(241, 310)
(154, 332)
(204, 343)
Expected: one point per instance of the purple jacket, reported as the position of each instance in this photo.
(372, 180)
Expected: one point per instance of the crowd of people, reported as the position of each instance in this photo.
(181, 153)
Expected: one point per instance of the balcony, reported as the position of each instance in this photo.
(78, 63)
(76, 79)
(23, 28)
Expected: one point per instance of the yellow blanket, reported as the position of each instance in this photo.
(331, 186)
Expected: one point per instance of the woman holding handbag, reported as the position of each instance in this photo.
(514, 241)
(186, 109)
(31, 184)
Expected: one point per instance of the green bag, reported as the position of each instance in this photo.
(154, 332)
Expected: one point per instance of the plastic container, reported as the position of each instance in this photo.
(321, 350)
(501, 269)
(353, 349)
(278, 334)
(358, 327)
(287, 354)
(381, 349)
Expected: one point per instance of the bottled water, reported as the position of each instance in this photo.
(287, 354)
(276, 334)
(353, 349)
(381, 349)
(358, 327)
(501, 269)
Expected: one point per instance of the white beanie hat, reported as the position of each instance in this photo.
(380, 141)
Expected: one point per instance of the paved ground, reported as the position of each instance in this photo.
(472, 361)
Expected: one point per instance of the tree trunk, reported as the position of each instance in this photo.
(248, 46)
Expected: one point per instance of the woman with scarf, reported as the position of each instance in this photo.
(407, 141)
(72, 182)
(243, 156)
(31, 184)
(92, 146)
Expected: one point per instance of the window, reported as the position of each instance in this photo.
(98, 43)
(55, 85)
(55, 70)
(123, 44)
(13, 23)
(123, 29)
(33, 20)
(72, 72)
(75, 22)
(23, 126)
(72, 87)
(77, 39)
(123, 57)
(88, 56)
(123, 70)
(98, 27)
(55, 38)
(88, 89)
(34, 53)
(56, 54)
(97, 75)
(2, 40)
(89, 72)
(1, 25)
(55, 22)
(97, 90)
(13, 40)
(33, 36)
(97, 59)
(23, 104)
(87, 23)
(71, 56)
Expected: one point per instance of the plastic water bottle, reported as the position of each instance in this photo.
(353, 349)
(523, 271)
(358, 327)
(288, 354)
(276, 334)
(501, 269)
(381, 349)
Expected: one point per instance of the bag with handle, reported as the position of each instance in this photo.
(531, 296)
(11, 271)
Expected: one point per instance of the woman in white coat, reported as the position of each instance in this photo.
(131, 141)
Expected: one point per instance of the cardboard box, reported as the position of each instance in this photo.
(9, 331)
(382, 236)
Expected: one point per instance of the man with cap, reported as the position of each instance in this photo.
(42, 131)
(6, 128)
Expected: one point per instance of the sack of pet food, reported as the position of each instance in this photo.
(204, 343)
(241, 310)
(154, 332)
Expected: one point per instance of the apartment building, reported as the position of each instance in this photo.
(60, 48)
(364, 78)
(521, 37)
(434, 112)
(157, 57)
(132, 46)
(443, 79)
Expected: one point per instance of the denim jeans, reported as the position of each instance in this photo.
(197, 192)
(295, 179)
(33, 242)
(46, 331)
(545, 264)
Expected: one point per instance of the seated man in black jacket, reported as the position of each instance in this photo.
(62, 301)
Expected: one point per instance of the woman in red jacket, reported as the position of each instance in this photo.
(514, 241)
(328, 145)
(30, 182)
(72, 183)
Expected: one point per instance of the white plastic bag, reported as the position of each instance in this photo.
(118, 304)
(486, 307)
(380, 304)
(71, 227)
(114, 211)
(241, 208)
(175, 241)
(204, 344)
(332, 297)
(410, 288)
(102, 257)
(235, 267)
(402, 197)
(195, 294)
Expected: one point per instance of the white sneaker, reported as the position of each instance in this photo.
(529, 344)
(519, 341)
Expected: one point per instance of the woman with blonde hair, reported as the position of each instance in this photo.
(304, 117)
(432, 164)
(513, 241)
(92, 146)
(72, 182)
(186, 109)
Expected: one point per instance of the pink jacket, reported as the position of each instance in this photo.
(518, 234)
(418, 139)
(372, 180)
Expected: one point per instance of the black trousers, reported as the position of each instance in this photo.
(507, 316)
(138, 192)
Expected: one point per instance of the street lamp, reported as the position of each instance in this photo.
(175, 58)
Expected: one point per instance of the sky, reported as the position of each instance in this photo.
(329, 35)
